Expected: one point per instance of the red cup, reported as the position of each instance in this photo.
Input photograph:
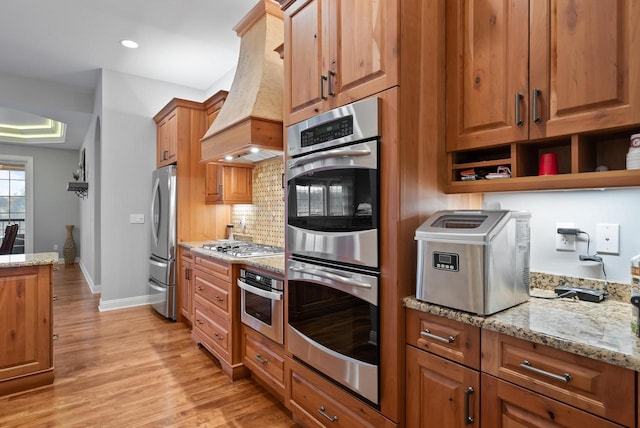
(548, 164)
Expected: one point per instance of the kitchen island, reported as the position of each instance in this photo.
(26, 342)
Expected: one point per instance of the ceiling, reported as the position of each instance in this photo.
(66, 42)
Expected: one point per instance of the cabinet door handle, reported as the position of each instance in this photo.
(220, 189)
(427, 333)
(518, 97)
(330, 75)
(468, 420)
(322, 79)
(564, 377)
(261, 360)
(187, 273)
(534, 105)
(323, 412)
(165, 155)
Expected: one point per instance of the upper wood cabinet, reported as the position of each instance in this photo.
(177, 124)
(167, 140)
(527, 70)
(332, 59)
(227, 184)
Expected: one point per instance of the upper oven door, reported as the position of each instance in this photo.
(332, 204)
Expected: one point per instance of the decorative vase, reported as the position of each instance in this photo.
(69, 250)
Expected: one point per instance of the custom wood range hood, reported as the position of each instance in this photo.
(249, 126)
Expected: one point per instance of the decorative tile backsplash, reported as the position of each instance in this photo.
(264, 219)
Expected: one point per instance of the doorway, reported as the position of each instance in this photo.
(16, 199)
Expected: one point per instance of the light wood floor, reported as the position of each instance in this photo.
(132, 368)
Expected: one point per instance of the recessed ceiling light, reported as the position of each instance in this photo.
(255, 149)
(129, 43)
(229, 157)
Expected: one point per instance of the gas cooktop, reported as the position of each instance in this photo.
(243, 249)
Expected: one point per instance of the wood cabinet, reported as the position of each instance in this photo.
(167, 140)
(332, 60)
(226, 184)
(266, 360)
(507, 405)
(443, 393)
(26, 359)
(216, 319)
(185, 288)
(552, 76)
(593, 386)
(318, 403)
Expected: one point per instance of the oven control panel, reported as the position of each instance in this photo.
(446, 261)
(327, 131)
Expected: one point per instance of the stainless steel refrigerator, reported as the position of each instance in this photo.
(162, 261)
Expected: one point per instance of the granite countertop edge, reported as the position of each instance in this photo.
(592, 332)
(273, 264)
(29, 259)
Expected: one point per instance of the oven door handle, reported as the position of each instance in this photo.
(260, 292)
(328, 154)
(332, 276)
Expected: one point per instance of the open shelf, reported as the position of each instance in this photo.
(587, 160)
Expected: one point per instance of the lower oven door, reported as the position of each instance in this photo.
(263, 311)
(333, 324)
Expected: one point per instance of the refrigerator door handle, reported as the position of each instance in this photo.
(155, 262)
(157, 288)
(155, 222)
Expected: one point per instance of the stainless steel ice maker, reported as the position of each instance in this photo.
(474, 260)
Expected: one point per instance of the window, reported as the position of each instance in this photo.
(12, 200)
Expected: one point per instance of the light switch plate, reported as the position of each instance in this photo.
(136, 218)
(608, 238)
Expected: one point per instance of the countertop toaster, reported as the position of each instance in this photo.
(474, 260)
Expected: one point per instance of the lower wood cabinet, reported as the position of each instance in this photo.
(440, 393)
(185, 292)
(266, 361)
(26, 342)
(216, 319)
(505, 405)
(316, 402)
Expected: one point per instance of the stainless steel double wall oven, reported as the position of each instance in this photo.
(333, 218)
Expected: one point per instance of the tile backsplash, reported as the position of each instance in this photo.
(264, 219)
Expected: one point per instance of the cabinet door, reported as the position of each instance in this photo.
(593, 67)
(364, 51)
(213, 184)
(506, 405)
(306, 34)
(487, 73)
(237, 184)
(167, 140)
(185, 286)
(441, 393)
(25, 321)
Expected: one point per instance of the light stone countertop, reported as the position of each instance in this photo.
(601, 331)
(29, 259)
(273, 264)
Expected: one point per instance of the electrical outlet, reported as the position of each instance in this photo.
(565, 242)
(607, 238)
(55, 247)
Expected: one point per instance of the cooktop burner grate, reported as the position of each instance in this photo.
(243, 249)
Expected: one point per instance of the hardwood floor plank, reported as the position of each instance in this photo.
(133, 368)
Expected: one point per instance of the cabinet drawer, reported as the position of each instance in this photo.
(505, 405)
(210, 328)
(597, 387)
(320, 403)
(214, 267)
(212, 289)
(265, 359)
(448, 338)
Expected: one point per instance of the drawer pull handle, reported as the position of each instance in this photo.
(427, 333)
(219, 299)
(199, 322)
(323, 412)
(468, 420)
(260, 359)
(564, 377)
(200, 288)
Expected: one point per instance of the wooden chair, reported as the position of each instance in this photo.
(9, 239)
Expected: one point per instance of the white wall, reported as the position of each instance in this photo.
(127, 156)
(53, 206)
(585, 208)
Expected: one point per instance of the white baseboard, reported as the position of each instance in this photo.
(95, 289)
(129, 302)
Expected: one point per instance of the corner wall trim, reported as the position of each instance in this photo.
(129, 302)
(95, 289)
